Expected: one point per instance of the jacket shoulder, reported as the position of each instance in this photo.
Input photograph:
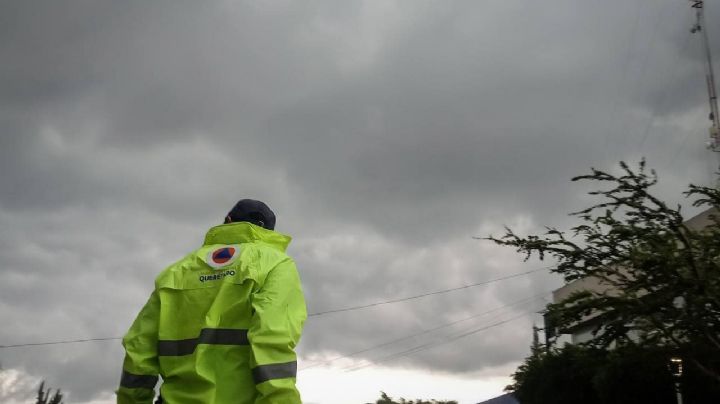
(264, 256)
(172, 275)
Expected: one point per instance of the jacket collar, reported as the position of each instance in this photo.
(244, 232)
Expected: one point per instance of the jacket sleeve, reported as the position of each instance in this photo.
(275, 328)
(140, 368)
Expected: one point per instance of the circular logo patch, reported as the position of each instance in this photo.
(223, 256)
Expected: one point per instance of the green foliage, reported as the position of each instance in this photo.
(385, 399)
(47, 397)
(561, 377)
(662, 279)
(630, 374)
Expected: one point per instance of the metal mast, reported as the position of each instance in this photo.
(714, 143)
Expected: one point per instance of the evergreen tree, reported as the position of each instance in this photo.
(385, 399)
(46, 397)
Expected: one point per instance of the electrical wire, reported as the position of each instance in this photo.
(352, 308)
(430, 345)
(518, 302)
(645, 59)
(403, 299)
(418, 348)
(623, 80)
(72, 341)
(666, 92)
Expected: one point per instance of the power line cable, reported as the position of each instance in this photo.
(352, 308)
(646, 57)
(451, 338)
(72, 341)
(518, 302)
(663, 98)
(430, 345)
(418, 348)
(437, 292)
(623, 80)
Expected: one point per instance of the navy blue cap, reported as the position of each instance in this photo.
(255, 212)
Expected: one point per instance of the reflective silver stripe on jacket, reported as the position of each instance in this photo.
(211, 336)
(133, 381)
(264, 373)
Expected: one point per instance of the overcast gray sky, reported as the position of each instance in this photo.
(384, 134)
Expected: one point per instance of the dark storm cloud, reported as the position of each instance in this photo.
(383, 134)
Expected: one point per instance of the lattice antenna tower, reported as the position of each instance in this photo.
(700, 27)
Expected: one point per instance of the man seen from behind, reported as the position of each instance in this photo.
(222, 324)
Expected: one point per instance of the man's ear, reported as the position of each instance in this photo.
(228, 219)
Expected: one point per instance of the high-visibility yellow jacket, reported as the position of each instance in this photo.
(221, 325)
